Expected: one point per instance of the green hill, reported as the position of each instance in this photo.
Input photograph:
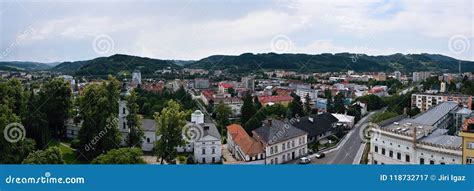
(23, 66)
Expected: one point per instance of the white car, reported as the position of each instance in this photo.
(305, 160)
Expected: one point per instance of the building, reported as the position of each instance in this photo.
(398, 75)
(321, 104)
(149, 134)
(224, 87)
(302, 92)
(460, 116)
(318, 127)
(467, 135)
(136, 78)
(425, 101)
(72, 128)
(207, 149)
(442, 88)
(420, 76)
(201, 83)
(419, 140)
(282, 142)
(381, 76)
(242, 146)
(122, 122)
(345, 120)
(248, 83)
(379, 91)
(270, 100)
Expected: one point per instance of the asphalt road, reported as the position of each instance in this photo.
(348, 151)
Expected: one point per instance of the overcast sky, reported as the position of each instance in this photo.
(67, 31)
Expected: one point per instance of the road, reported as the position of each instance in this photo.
(348, 150)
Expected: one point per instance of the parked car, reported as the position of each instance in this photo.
(305, 160)
(319, 155)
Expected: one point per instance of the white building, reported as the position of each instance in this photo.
(302, 92)
(122, 121)
(345, 120)
(248, 83)
(419, 140)
(207, 148)
(282, 142)
(137, 78)
(398, 75)
(425, 101)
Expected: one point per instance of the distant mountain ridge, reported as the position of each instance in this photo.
(334, 62)
(249, 62)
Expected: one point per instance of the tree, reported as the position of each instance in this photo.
(223, 112)
(36, 124)
(257, 103)
(329, 105)
(170, 122)
(373, 102)
(339, 104)
(98, 110)
(133, 122)
(121, 156)
(253, 124)
(307, 105)
(50, 155)
(296, 106)
(355, 110)
(248, 109)
(56, 99)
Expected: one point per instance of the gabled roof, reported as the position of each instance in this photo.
(275, 131)
(266, 99)
(316, 124)
(249, 145)
(148, 124)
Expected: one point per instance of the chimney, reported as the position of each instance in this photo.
(414, 137)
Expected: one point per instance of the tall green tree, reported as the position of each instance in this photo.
(35, 123)
(120, 156)
(296, 106)
(50, 155)
(55, 100)
(248, 109)
(99, 132)
(223, 112)
(133, 122)
(307, 105)
(339, 103)
(170, 122)
(257, 103)
(330, 103)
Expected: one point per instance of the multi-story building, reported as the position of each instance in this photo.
(398, 75)
(242, 146)
(420, 76)
(425, 101)
(467, 134)
(302, 92)
(248, 83)
(136, 78)
(282, 142)
(460, 116)
(419, 140)
(201, 83)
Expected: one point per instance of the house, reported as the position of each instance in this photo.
(346, 120)
(242, 146)
(149, 134)
(207, 149)
(282, 142)
(318, 127)
(72, 128)
(224, 87)
(270, 100)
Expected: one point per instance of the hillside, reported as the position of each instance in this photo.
(23, 66)
(113, 65)
(333, 62)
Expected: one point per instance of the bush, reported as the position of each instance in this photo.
(75, 143)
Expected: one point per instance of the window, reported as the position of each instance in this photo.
(288, 145)
(124, 125)
(276, 149)
(422, 161)
(203, 151)
(283, 147)
(469, 160)
(283, 158)
(376, 149)
(276, 160)
(123, 110)
(442, 163)
(432, 162)
(383, 151)
(213, 159)
(375, 161)
(407, 158)
(213, 151)
(304, 151)
(470, 145)
(293, 143)
(271, 150)
(399, 156)
(390, 153)
(271, 161)
(148, 140)
(203, 160)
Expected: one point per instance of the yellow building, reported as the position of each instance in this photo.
(467, 134)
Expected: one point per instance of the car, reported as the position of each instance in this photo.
(319, 155)
(305, 160)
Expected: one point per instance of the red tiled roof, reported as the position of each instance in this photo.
(266, 99)
(467, 122)
(225, 85)
(249, 145)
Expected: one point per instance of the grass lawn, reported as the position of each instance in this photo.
(68, 153)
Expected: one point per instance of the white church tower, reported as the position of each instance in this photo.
(122, 121)
(197, 117)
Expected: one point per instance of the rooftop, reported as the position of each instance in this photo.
(275, 131)
(249, 145)
(434, 114)
(316, 124)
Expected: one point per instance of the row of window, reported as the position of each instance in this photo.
(390, 154)
(213, 151)
(285, 146)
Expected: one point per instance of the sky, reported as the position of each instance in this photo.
(56, 31)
